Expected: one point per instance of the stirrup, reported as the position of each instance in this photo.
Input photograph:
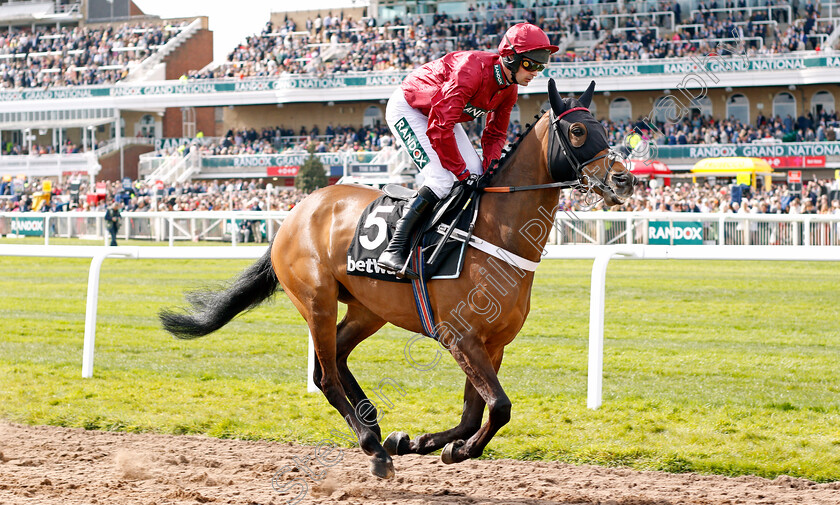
(402, 273)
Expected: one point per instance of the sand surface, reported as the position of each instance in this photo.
(42, 464)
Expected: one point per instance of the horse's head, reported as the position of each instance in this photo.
(578, 151)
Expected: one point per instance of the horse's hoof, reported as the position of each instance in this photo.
(382, 469)
(397, 443)
(448, 454)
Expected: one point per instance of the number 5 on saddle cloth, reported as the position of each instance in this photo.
(376, 226)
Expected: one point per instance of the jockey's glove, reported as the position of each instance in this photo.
(471, 182)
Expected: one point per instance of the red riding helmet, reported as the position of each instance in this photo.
(524, 40)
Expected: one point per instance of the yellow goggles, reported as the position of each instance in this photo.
(532, 66)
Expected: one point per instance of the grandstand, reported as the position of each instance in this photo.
(102, 90)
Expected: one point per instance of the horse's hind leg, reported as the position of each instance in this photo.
(470, 423)
(430, 442)
(358, 324)
(317, 301)
(481, 368)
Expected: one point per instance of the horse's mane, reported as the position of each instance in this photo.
(507, 152)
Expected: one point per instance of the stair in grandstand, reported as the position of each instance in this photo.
(587, 40)
(112, 145)
(834, 36)
(176, 168)
(565, 43)
(335, 51)
(153, 67)
(400, 169)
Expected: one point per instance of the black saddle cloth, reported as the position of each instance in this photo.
(376, 227)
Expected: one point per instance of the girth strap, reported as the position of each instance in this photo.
(508, 257)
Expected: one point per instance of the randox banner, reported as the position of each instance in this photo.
(675, 233)
(587, 70)
(28, 226)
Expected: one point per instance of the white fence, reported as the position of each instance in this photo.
(599, 228)
(98, 255)
(601, 255)
(152, 226)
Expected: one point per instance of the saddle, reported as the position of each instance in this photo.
(376, 227)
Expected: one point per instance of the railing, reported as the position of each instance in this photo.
(45, 165)
(139, 71)
(749, 11)
(176, 168)
(212, 226)
(587, 228)
(112, 145)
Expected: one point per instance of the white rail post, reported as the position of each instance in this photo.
(171, 221)
(92, 300)
(595, 382)
(631, 231)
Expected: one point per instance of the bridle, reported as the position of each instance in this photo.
(585, 181)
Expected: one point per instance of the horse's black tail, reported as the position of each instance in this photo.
(212, 309)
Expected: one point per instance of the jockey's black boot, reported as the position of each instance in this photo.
(395, 256)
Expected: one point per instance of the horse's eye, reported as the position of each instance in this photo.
(577, 134)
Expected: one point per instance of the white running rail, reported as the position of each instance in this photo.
(601, 255)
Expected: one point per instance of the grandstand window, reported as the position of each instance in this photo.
(621, 110)
(188, 122)
(122, 128)
(784, 104)
(667, 109)
(738, 107)
(593, 108)
(822, 101)
(372, 117)
(147, 127)
(703, 105)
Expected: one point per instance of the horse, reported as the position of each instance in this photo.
(308, 258)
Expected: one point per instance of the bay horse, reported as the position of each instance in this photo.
(308, 258)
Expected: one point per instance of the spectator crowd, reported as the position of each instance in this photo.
(814, 197)
(76, 55)
(643, 30)
(79, 55)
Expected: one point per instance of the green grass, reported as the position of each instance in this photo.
(714, 367)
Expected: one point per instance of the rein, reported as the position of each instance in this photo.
(513, 189)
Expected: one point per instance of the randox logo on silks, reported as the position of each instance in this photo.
(412, 144)
(497, 72)
(475, 112)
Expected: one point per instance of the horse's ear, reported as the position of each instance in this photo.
(586, 97)
(558, 105)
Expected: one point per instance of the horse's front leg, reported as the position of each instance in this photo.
(481, 369)
(398, 443)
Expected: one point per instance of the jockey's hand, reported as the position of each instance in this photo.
(471, 182)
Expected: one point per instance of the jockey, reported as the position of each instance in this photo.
(424, 112)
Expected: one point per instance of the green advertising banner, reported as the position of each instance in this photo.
(28, 226)
(750, 150)
(590, 69)
(675, 233)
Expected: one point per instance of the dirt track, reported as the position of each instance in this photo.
(71, 466)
